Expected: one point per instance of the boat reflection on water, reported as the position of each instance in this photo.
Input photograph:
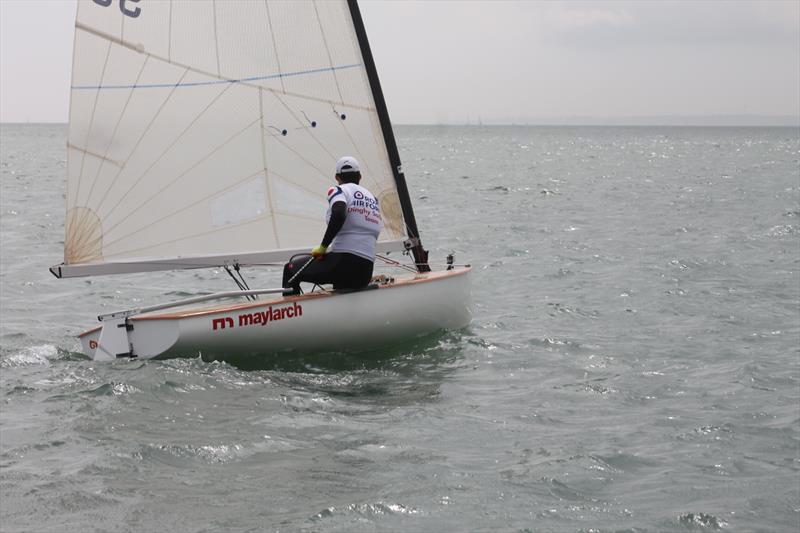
(406, 357)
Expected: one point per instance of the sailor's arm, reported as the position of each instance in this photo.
(335, 223)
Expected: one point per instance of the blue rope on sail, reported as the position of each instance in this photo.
(216, 82)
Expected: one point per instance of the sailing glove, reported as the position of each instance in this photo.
(319, 251)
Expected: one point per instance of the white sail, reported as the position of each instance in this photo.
(203, 131)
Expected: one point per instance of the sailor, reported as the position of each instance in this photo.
(346, 254)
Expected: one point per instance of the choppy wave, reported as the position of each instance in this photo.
(631, 365)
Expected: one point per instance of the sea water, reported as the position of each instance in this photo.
(633, 363)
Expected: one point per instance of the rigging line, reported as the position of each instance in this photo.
(138, 142)
(235, 280)
(186, 207)
(170, 146)
(395, 263)
(177, 178)
(242, 81)
(111, 140)
(252, 297)
(241, 277)
(327, 50)
(89, 129)
(241, 284)
(274, 46)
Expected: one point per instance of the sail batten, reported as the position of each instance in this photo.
(211, 129)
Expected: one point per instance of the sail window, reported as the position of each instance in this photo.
(245, 202)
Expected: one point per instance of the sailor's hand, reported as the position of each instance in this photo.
(319, 251)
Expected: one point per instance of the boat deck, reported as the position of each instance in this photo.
(278, 299)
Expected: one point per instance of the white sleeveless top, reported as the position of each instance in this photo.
(363, 222)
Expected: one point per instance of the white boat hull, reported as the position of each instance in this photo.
(402, 310)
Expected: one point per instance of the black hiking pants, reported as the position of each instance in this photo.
(344, 270)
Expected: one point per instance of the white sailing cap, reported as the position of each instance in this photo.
(347, 164)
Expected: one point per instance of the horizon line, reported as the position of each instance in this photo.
(564, 123)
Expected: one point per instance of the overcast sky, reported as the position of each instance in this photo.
(501, 62)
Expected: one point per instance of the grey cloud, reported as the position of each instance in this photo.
(671, 23)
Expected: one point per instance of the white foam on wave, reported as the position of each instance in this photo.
(32, 355)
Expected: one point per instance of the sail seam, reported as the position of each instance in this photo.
(216, 35)
(111, 140)
(169, 35)
(328, 51)
(188, 206)
(300, 155)
(177, 178)
(267, 180)
(70, 185)
(169, 166)
(303, 126)
(168, 148)
(215, 230)
(244, 81)
(364, 161)
(75, 228)
(295, 184)
(138, 142)
(193, 235)
(274, 46)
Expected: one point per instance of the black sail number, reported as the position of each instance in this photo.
(133, 13)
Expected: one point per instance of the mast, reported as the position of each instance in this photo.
(419, 253)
